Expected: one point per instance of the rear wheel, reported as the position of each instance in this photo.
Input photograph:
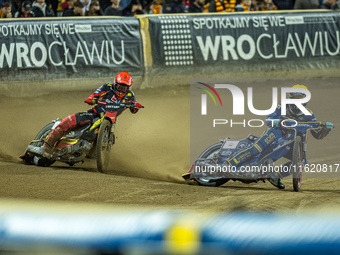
(211, 153)
(297, 163)
(40, 137)
(103, 146)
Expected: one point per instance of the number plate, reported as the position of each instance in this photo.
(56, 124)
(230, 144)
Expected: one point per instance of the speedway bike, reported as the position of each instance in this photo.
(291, 146)
(93, 140)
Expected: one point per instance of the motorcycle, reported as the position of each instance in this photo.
(93, 140)
(291, 146)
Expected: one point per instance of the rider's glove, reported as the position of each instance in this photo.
(91, 100)
(329, 125)
(95, 100)
(138, 106)
(135, 107)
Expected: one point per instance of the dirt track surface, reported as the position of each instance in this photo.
(151, 153)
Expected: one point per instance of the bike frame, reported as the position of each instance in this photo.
(276, 150)
(89, 132)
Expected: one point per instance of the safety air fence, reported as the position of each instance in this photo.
(155, 46)
(257, 42)
(43, 49)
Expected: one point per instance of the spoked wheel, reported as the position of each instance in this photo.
(43, 133)
(297, 164)
(103, 146)
(211, 153)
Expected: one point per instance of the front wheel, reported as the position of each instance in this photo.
(211, 153)
(297, 163)
(103, 146)
(43, 133)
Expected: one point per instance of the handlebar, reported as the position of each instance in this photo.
(121, 105)
(328, 125)
(279, 123)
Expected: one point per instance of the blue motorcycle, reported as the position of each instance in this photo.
(210, 169)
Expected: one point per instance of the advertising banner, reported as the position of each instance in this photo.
(69, 48)
(220, 41)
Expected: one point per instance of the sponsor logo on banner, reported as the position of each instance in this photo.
(83, 28)
(294, 20)
(37, 54)
(177, 40)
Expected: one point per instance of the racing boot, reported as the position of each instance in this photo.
(47, 150)
(276, 181)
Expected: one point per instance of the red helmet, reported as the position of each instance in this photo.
(123, 84)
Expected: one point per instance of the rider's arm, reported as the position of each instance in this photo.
(320, 132)
(273, 116)
(130, 97)
(98, 94)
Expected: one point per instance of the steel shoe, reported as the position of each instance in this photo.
(277, 183)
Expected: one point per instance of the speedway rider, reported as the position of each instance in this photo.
(119, 91)
(275, 132)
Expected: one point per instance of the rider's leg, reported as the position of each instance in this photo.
(60, 130)
(284, 169)
(261, 143)
(64, 126)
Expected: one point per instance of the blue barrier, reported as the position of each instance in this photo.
(172, 232)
